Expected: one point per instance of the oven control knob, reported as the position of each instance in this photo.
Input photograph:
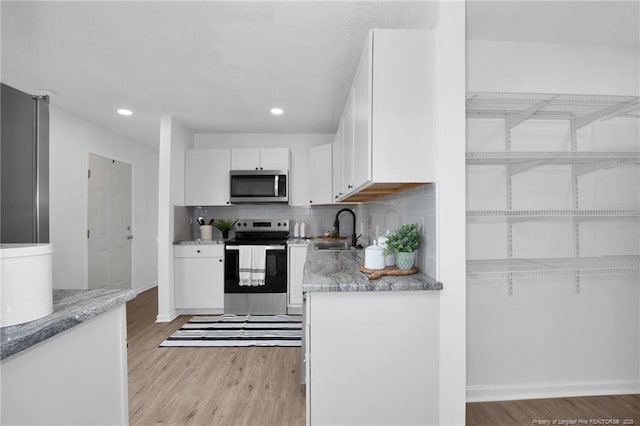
(279, 224)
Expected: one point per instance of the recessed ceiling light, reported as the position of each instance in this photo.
(123, 111)
(277, 111)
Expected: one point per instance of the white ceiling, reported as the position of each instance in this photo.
(219, 66)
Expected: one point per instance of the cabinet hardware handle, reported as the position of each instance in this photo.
(219, 260)
(310, 201)
(198, 251)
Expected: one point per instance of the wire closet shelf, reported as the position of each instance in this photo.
(581, 110)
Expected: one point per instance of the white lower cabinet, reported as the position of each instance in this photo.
(297, 257)
(199, 278)
(372, 358)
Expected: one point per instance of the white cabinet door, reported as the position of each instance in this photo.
(403, 82)
(321, 174)
(297, 257)
(198, 280)
(347, 146)
(274, 159)
(337, 163)
(362, 121)
(207, 177)
(245, 159)
(386, 353)
(260, 159)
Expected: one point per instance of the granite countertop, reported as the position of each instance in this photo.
(326, 270)
(70, 308)
(298, 241)
(197, 242)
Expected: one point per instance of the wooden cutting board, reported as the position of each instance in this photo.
(374, 274)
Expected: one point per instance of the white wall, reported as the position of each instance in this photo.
(299, 144)
(71, 140)
(450, 208)
(174, 140)
(551, 68)
(547, 340)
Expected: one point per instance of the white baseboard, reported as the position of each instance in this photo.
(200, 311)
(145, 287)
(552, 390)
(167, 317)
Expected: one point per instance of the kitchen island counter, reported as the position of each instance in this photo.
(337, 270)
(70, 364)
(70, 308)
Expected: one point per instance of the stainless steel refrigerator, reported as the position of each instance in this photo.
(24, 154)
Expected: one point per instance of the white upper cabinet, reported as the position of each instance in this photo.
(260, 159)
(337, 164)
(347, 145)
(207, 177)
(388, 141)
(274, 159)
(320, 171)
(362, 121)
(245, 159)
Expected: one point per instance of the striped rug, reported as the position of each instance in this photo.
(238, 330)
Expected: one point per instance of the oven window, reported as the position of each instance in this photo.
(275, 273)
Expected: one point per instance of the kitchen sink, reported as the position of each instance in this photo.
(331, 245)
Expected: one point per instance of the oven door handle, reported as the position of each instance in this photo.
(266, 247)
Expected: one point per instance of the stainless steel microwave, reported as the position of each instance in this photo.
(259, 186)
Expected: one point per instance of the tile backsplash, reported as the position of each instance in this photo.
(417, 205)
(372, 219)
(317, 219)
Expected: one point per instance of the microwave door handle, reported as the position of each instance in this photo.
(276, 178)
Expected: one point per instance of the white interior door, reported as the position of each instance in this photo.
(109, 221)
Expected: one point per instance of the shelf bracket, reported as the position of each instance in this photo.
(585, 168)
(609, 111)
(515, 119)
(522, 166)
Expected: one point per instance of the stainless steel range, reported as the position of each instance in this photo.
(255, 274)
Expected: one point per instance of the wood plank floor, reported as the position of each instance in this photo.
(260, 386)
(207, 386)
(589, 410)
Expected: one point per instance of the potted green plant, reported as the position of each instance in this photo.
(224, 226)
(404, 243)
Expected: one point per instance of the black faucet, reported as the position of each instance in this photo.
(336, 225)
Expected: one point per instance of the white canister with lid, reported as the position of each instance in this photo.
(374, 257)
(390, 259)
